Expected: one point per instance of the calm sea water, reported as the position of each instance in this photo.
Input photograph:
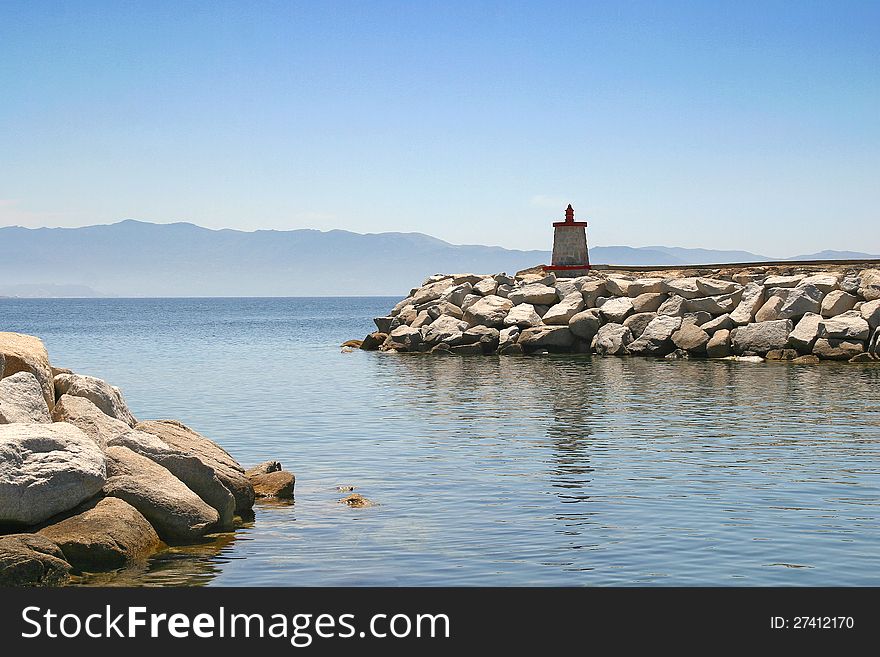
(554, 470)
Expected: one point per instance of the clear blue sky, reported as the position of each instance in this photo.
(750, 125)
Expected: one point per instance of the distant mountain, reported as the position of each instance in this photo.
(133, 258)
(47, 291)
(836, 255)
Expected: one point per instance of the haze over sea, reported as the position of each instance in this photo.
(554, 470)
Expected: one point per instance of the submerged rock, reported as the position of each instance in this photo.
(108, 536)
(357, 501)
(278, 484)
(31, 560)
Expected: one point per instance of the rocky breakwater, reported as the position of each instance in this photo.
(86, 487)
(802, 313)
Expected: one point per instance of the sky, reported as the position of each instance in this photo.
(731, 125)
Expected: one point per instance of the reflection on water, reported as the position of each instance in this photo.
(554, 470)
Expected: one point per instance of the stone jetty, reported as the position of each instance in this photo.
(798, 312)
(86, 487)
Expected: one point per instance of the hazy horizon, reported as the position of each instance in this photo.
(749, 126)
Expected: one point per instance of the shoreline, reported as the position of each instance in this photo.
(86, 488)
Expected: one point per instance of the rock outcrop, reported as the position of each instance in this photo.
(94, 490)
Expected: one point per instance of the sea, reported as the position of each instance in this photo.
(555, 470)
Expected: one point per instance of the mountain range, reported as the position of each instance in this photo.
(136, 259)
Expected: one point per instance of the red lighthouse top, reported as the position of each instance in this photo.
(569, 219)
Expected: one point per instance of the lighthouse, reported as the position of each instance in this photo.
(570, 255)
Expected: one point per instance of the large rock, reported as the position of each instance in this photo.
(851, 284)
(176, 512)
(110, 535)
(751, 301)
(719, 344)
(618, 286)
(22, 400)
(25, 353)
(870, 311)
(691, 338)
(638, 323)
(486, 286)
(770, 310)
(278, 484)
(198, 476)
(848, 326)
(721, 322)
(508, 336)
(656, 340)
(471, 299)
(31, 560)
(831, 349)
(761, 337)
(803, 299)
(642, 286)
(562, 312)
(46, 469)
(874, 344)
(444, 327)
(106, 397)
(648, 302)
(683, 287)
(712, 287)
(825, 281)
(490, 311)
(386, 324)
(84, 415)
(523, 316)
(674, 306)
(404, 338)
(487, 338)
(837, 302)
(534, 293)
(616, 310)
(551, 338)
(373, 341)
(228, 470)
(457, 293)
(585, 324)
(440, 308)
(804, 335)
(591, 290)
(783, 281)
(870, 284)
(612, 340)
(430, 292)
(712, 305)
